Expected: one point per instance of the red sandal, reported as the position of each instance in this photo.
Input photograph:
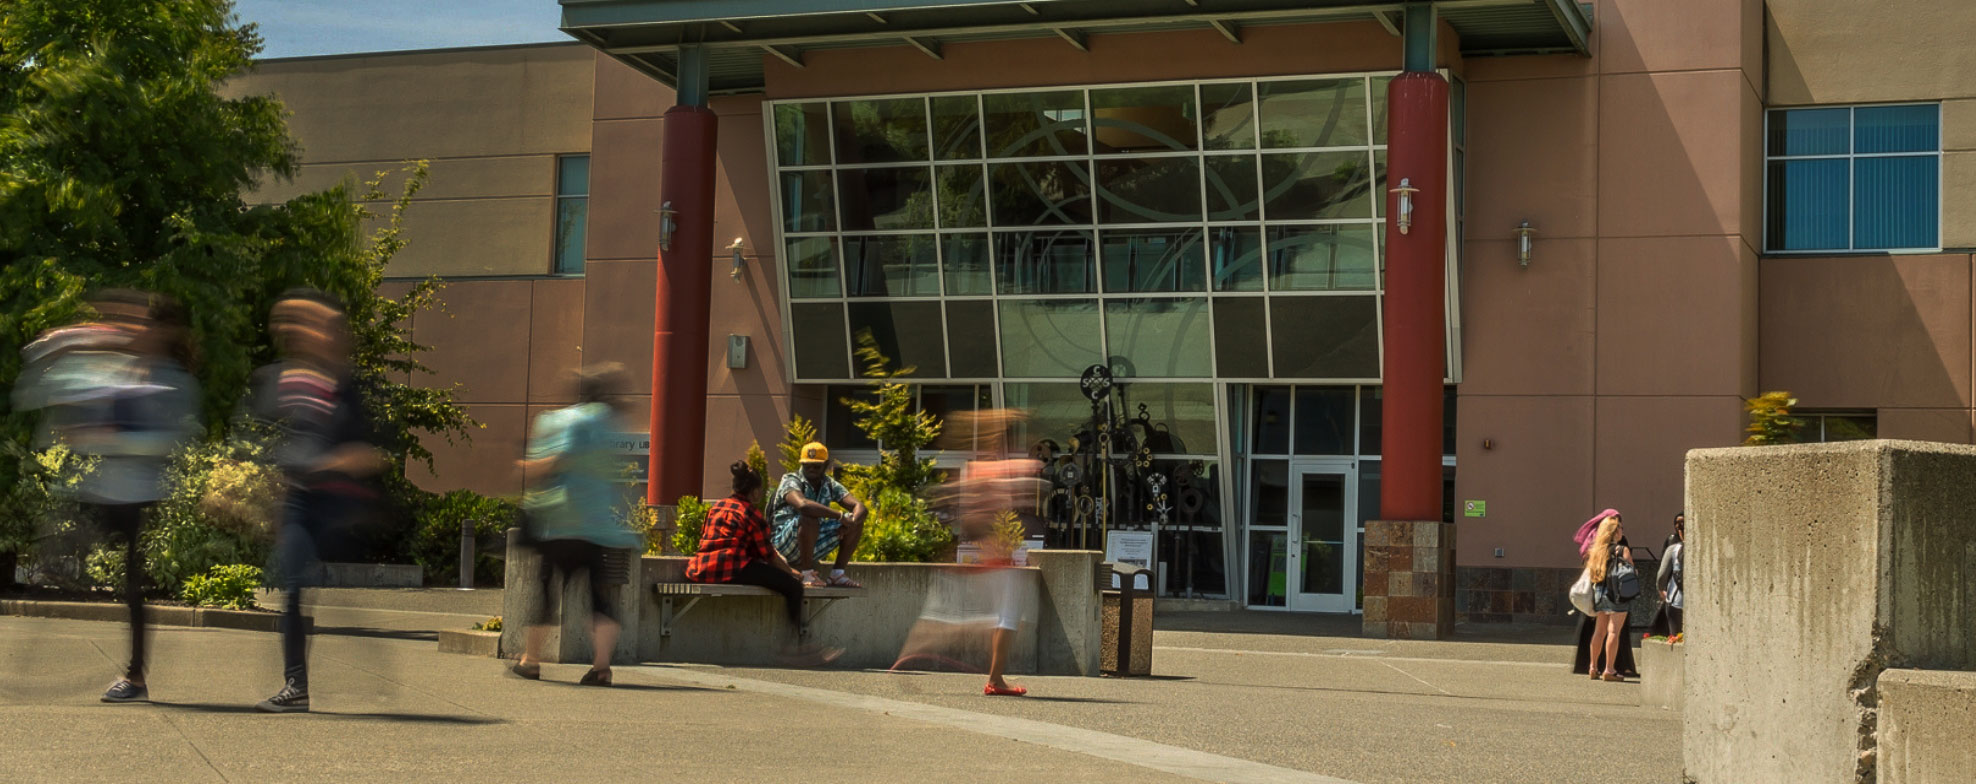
(1006, 691)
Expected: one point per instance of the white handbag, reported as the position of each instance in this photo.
(1581, 593)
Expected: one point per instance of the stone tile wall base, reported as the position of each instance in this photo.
(1409, 579)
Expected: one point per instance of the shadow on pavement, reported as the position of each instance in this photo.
(1345, 626)
(1092, 700)
(623, 686)
(420, 718)
(425, 635)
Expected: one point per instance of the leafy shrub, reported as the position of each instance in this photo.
(435, 539)
(889, 418)
(222, 500)
(687, 521)
(490, 625)
(40, 518)
(800, 431)
(901, 529)
(1770, 419)
(758, 461)
(231, 586)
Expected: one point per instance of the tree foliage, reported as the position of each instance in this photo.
(890, 418)
(1770, 419)
(123, 162)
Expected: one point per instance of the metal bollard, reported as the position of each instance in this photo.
(466, 554)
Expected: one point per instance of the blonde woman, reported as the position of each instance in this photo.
(1609, 629)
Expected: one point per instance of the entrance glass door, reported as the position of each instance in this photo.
(1324, 539)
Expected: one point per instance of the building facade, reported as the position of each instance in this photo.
(1657, 208)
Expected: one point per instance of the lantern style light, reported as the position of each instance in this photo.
(739, 260)
(1406, 192)
(1523, 232)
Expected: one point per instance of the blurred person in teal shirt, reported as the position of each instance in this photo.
(577, 505)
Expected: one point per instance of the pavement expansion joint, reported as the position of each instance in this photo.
(1161, 757)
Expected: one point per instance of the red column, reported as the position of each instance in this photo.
(679, 320)
(1415, 312)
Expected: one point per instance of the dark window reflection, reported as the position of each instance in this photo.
(1149, 190)
(886, 199)
(1325, 337)
(802, 134)
(1334, 257)
(1269, 568)
(1272, 436)
(1143, 119)
(956, 127)
(963, 201)
(1040, 193)
(823, 348)
(806, 202)
(1314, 113)
(907, 332)
(1241, 344)
(1022, 125)
(1228, 116)
(1231, 187)
(812, 267)
(971, 339)
(1315, 185)
(1325, 420)
(885, 130)
(840, 428)
(966, 259)
(892, 265)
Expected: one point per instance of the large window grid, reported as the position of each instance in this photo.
(1809, 147)
(966, 249)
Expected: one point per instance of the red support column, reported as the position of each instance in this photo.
(1415, 309)
(681, 307)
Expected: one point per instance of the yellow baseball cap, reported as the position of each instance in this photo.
(814, 452)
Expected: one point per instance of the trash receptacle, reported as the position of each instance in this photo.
(1127, 642)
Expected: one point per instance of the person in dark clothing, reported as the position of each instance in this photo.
(734, 548)
(325, 454)
(1670, 578)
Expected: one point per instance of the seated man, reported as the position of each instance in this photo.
(807, 528)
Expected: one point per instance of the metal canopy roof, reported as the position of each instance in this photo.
(739, 34)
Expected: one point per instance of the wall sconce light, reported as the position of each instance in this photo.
(1523, 232)
(1406, 192)
(666, 225)
(739, 261)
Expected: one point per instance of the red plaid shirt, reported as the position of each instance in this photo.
(733, 536)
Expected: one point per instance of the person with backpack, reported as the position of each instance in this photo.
(1615, 585)
(1671, 574)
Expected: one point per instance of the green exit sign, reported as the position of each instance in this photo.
(1475, 509)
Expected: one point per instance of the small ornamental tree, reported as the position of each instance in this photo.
(889, 417)
(1770, 419)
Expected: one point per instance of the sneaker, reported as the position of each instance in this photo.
(125, 691)
(291, 699)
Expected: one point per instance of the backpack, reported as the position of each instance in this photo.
(1622, 581)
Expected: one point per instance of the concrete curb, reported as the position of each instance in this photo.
(471, 643)
(197, 617)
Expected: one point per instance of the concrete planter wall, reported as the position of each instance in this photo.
(1662, 679)
(1060, 636)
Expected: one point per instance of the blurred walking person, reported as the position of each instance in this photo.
(1670, 577)
(117, 388)
(734, 548)
(988, 500)
(577, 505)
(325, 453)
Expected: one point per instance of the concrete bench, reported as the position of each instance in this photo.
(671, 608)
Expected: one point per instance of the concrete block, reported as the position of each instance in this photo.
(1068, 627)
(1925, 716)
(470, 642)
(364, 575)
(1811, 568)
(1662, 676)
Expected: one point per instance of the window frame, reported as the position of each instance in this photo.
(1850, 156)
(557, 197)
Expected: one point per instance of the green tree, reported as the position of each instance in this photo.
(889, 417)
(122, 163)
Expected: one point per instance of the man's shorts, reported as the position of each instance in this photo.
(788, 538)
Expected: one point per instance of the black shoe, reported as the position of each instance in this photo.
(125, 691)
(291, 699)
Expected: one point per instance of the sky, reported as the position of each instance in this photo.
(301, 28)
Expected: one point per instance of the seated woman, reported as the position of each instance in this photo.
(734, 548)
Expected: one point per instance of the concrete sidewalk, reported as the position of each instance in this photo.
(1224, 706)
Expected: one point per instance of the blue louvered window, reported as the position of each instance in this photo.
(1853, 178)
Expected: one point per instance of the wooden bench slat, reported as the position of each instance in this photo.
(731, 589)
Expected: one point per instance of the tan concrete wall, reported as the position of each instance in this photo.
(1811, 568)
(1633, 334)
(491, 121)
(1840, 52)
(1925, 716)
